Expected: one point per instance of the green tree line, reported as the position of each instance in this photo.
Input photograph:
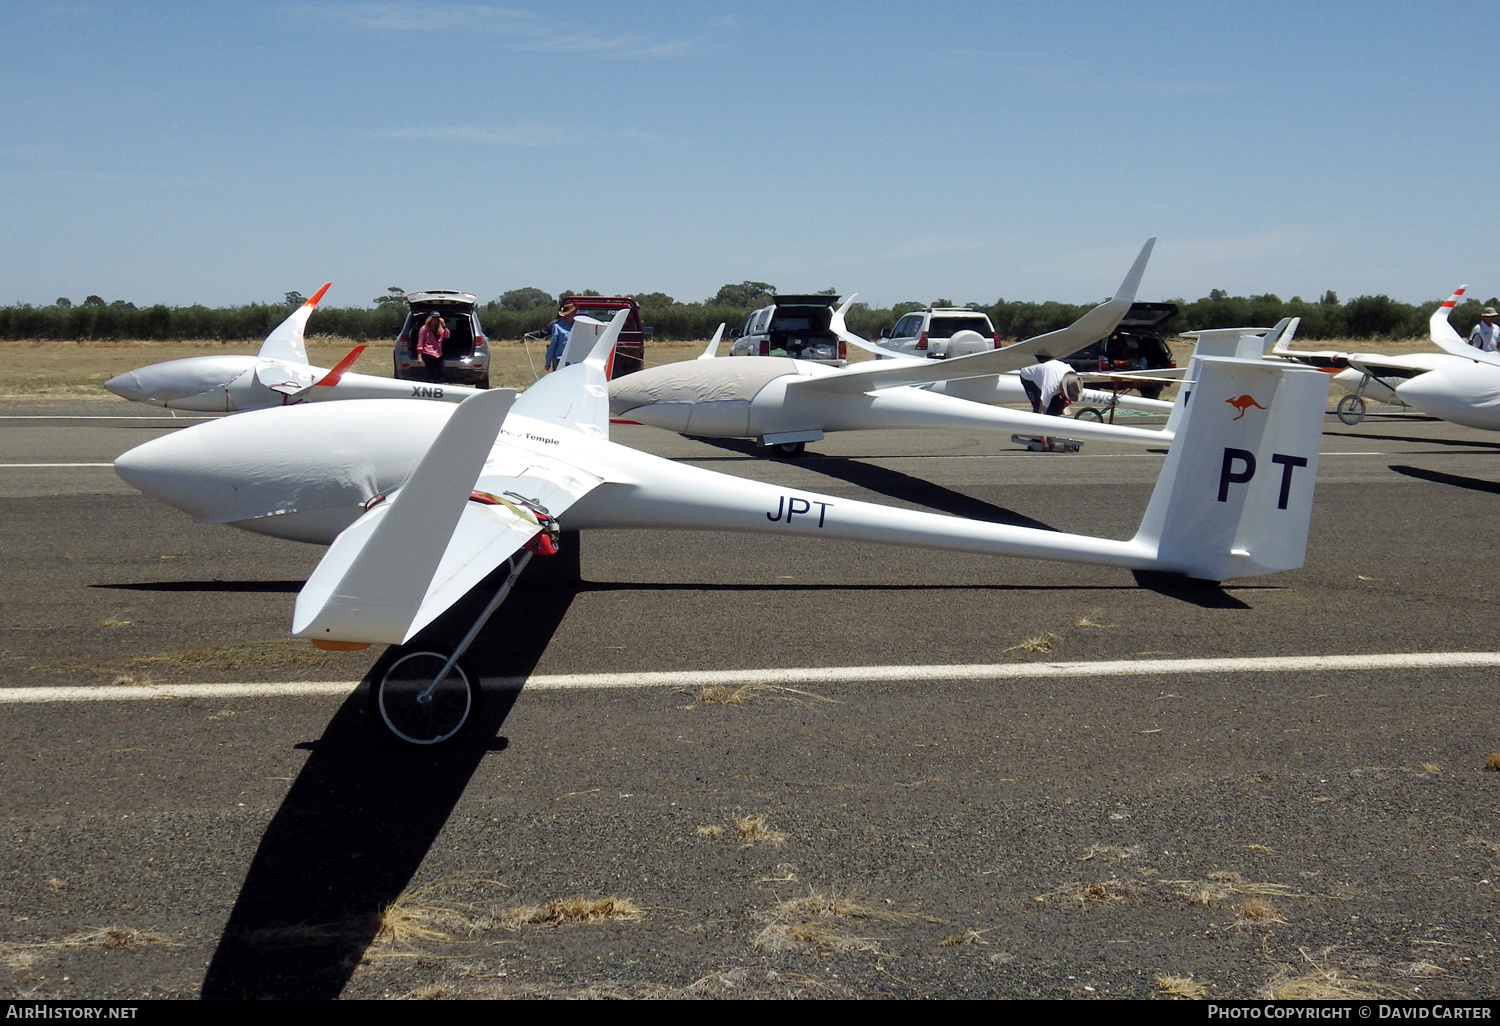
(530, 309)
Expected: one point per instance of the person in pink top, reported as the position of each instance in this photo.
(430, 345)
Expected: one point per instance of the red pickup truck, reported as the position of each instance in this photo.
(630, 351)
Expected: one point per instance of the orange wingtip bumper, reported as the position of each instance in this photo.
(340, 646)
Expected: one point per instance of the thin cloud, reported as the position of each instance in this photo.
(414, 17)
(532, 31)
(617, 46)
(527, 135)
(531, 136)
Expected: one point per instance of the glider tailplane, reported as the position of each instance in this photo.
(1235, 495)
(285, 340)
(377, 580)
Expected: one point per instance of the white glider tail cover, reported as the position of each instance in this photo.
(1091, 327)
(285, 341)
(561, 396)
(374, 580)
(1235, 495)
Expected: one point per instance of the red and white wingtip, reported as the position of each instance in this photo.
(1442, 333)
(285, 342)
(332, 377)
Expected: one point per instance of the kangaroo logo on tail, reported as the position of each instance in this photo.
(1243, 404)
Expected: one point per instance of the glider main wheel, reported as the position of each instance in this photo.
(1089, 413)
(788, 450)
(1352, 409)
(419, 712)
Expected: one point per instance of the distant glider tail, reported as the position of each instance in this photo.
(1235, 495)
(713, 345)
(1441, 330)
(285, 340)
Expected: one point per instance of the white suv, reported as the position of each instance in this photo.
(939, 332)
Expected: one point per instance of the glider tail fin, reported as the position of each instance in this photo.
(1441, 330)
(713, 345)
(285, 340)
(1235, 495)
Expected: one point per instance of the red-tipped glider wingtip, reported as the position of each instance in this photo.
(332, 377)
(318, 295)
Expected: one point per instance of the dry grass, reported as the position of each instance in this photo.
(568, 911)
(1089, 621)
(1255, 912)
(109, 938)
(1179, 987)
(1429, 767)
(1223, 885)
(56, 884)
(270, 652)
(1422, 968)
(965, 937)
(1100, 892)
(1040, 643)
(742, 983)
(811, 924)
(712, 830)
(114, 622)
(1492, 761)
(1109, 852)
(1324, 983)
(755, 830)
(814, 935)
(419, 915)
(723, 694)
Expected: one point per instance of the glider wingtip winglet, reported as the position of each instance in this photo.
(1132, 282)
(318, 295)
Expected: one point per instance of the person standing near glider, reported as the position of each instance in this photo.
(562, 328)
(1486, 334)
(1046, 383)
(430, 345)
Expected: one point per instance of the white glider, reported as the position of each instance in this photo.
(279, 375)
(1461, 384)
(1005, 389)
(786, 403)
(421, 501)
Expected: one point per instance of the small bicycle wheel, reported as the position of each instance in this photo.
(1351, 409)
(1089, 413)
(417, 710)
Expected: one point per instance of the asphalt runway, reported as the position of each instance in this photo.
(1073, 832)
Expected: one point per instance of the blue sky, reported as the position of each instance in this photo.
(223, 154)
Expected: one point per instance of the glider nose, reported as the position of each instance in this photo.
(128, 386)
(178, 470)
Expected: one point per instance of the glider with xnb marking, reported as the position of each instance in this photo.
(420, 502)
(279, 375)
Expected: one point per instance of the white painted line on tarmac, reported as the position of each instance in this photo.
(29, 466)
(801, 676)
